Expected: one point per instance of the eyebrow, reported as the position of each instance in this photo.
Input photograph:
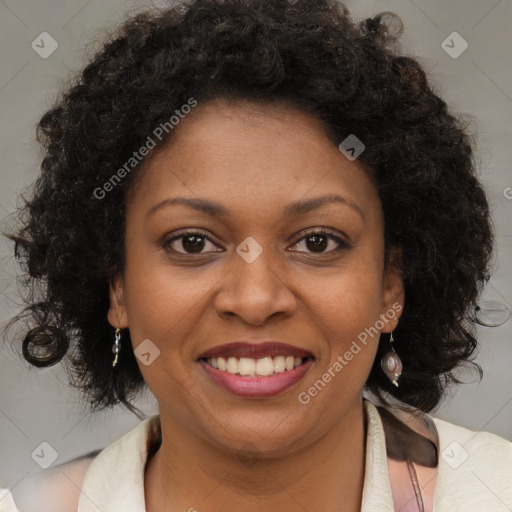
(302, 207)
(295, 209)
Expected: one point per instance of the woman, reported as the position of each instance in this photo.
(261, 211)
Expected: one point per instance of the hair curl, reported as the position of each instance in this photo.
(308, 54)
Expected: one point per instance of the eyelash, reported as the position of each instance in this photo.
(342, 245)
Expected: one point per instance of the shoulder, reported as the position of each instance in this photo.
(475, 468)
(478, 444)
(7, 501)
(59, 489)
(54, 490)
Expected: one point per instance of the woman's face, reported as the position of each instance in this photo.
(254, 269)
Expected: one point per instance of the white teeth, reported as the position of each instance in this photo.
(249, 367)
(246, 366)
(279, 364)
(264, 367)
(232, 366)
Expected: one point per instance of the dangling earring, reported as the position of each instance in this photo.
(116, 347)
(391, 364)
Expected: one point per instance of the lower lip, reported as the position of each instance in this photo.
(257, 387)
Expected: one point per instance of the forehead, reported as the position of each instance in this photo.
(248, 154)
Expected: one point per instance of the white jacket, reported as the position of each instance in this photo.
(474, 474)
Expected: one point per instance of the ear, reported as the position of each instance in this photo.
(393, 293)
(117, 315)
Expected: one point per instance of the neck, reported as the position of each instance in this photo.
(187, 473)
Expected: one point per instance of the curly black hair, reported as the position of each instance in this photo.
(312, 55)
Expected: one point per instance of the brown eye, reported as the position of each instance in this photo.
(189, 243)
(319, 241)
(193, 243)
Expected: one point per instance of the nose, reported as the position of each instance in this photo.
(255, 292)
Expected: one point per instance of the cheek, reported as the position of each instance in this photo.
(348, 321)
(350, 298)
(346, 307)
(352, 342)
(158, 299)
(162, 306)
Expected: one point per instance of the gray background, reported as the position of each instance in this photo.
(36, 405)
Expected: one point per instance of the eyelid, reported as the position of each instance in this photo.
(322, 231)
(182, 234)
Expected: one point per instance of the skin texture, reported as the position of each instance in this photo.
(219, 451)
(69, 238)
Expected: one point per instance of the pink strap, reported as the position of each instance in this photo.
(412, 486)
(412, 447)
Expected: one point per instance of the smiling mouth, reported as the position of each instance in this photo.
(256, 368)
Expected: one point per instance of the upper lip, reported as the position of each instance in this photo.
(255, 350)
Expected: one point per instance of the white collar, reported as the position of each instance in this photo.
(115, 479)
